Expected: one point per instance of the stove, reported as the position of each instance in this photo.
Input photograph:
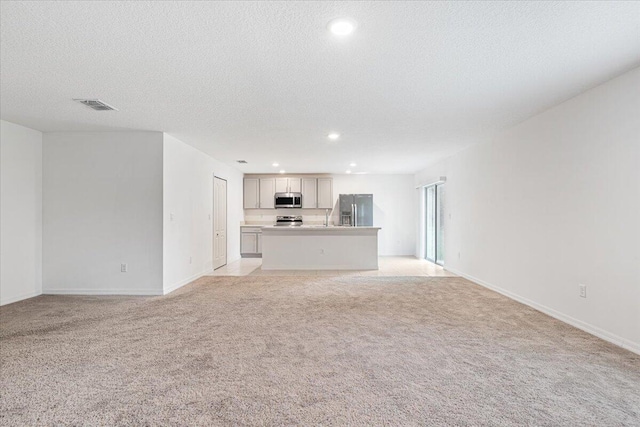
(289, 221)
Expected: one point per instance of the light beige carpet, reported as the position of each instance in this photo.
(308, 351)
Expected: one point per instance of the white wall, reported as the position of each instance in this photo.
(20, 213)
(552, 203)
(188, 198)
(102, 199)
(394, 209)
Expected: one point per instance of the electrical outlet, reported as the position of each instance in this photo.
(190, 260)
(170, 217)
(123, 268)
(458, 255)
(582, 291)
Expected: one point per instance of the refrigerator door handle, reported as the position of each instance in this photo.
(352, 215)
(355, 217)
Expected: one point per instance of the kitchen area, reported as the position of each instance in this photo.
(295, 223)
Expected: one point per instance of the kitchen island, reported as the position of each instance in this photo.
(319, 248)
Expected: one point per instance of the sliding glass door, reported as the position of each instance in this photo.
(431, 223)
(440, 224)
(434, 223)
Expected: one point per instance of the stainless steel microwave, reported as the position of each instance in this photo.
(288, 200)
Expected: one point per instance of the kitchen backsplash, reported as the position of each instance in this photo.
(268, 217)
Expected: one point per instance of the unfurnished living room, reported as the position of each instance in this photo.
(267, 213)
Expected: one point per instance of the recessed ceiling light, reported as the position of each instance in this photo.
(333, 136)
(275, 165)
(341, 26)
(353, 165)
(348, 172)
(282, 171)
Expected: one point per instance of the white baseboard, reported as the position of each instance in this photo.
(17, 298)
(186, 281)
(143, 292)
(593, 330)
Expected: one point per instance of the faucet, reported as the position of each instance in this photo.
(326, 217)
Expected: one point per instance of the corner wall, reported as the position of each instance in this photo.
(188, 212)
(20, 212)
(552, 203)
(102, 208)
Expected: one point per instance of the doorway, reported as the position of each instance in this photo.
(434, 225)
(219, 222)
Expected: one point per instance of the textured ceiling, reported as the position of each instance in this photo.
(265, 81)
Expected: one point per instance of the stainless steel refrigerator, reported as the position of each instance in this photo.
(356, 210)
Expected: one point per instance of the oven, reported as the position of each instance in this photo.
(289, 221)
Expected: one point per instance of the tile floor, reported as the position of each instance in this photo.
(388, 266)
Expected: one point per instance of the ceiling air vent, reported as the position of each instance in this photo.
(96, 104)
(244, 162)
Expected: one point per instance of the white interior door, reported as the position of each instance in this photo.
(219, 222)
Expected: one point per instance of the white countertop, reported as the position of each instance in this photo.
(315, 228)
(311, 227)
(306, 226)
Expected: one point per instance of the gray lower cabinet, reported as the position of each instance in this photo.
(250, 242)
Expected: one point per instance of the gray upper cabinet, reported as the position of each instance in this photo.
(251, 193)
(259, 192)
(267, 192)
(288, 185)
(309, 193)
(295, 185)
(282, 185)
(325, 193)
